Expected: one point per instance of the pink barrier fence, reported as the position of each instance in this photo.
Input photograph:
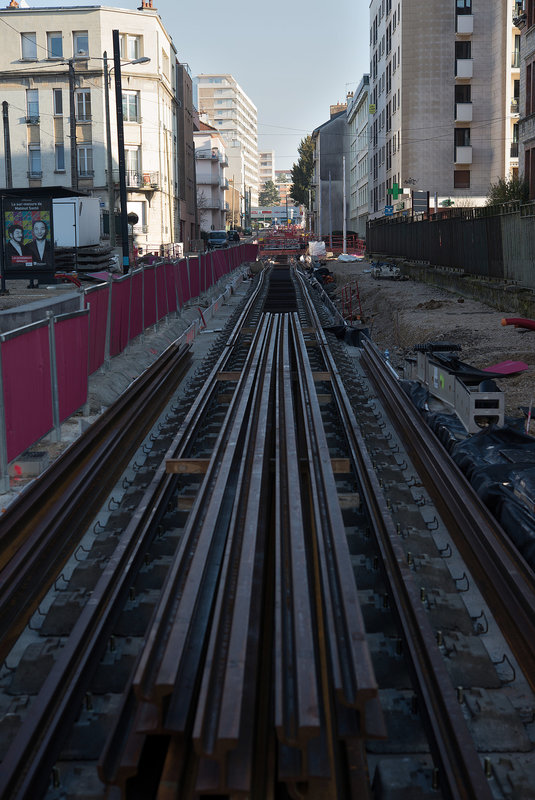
(71, 333)
(57, 364)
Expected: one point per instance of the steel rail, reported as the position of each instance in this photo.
(167, 673)
(224, 728)
(504, 578)
(461, 775)
(43, 526)
(298, 715)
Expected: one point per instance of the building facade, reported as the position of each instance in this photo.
(525, 20)
(331, 154)
(54, 56)
(442, 91)
(266, 167)
(224, 105)
(358, 124)
(212, 184)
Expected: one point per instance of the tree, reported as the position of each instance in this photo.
(269, 196)
(302, 171)
(507, 189)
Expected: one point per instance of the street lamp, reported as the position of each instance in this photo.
(120, 140)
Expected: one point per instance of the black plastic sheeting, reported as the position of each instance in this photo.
(349, 335)
(498, 462)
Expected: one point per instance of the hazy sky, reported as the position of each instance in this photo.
(293, 60)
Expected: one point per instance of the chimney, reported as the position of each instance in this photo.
(146, 5)
(13, 4)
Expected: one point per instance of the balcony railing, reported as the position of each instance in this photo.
(35, 174)
(32, 119)
(515, 105)
(86, 173)
(463, 112)
(464, 68)
(514, 150)
(515, 60)
(142, 180)
(213, 154)
(465, 23)
(463, 154)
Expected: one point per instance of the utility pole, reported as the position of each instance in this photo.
(7, 145)
(120, 143)
(344, 222)
(72, 126)
(330, 214)
(111, 189)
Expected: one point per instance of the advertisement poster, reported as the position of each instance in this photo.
(28, 236)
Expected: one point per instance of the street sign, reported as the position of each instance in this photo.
(420, 202)
(389, 210)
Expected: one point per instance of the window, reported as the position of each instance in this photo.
(130, 46)
(60, 158)
(530, 88)
(462, 137)
(530, 15)
(131, 107)
(28, 45)
(32, 104)
(54, 44)
(132, 165)
(80, 41)
(463, 49)
(85, 161)
(57, 96)
(463, 6)
(461, 178)
(463, 93)
(34, 161)
(83, 105)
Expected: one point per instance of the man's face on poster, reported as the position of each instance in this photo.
(39, 230)
(17, 235)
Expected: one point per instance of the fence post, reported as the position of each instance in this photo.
(108, 326)
(189, 280)
(4, 473)
(212, 263)
(56, 435)
(156, 294)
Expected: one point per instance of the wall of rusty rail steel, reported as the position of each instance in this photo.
(504, 578)
(42, 527)
(461, 774)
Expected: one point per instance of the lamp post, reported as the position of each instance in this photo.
(120, 144)
(111, 191)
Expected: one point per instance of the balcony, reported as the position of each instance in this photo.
(224, 184)
(212, 155)
(146, 181)
(515, 60)
(515, 105)
(464, 68)
(465, 24)
(514, 150)
(463, 112)
(86, 173)
(34, 174)
(463, 155)
(32, 119)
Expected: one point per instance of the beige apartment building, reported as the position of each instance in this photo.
(223, 104)
(357, 116)
(212, 183)
(444, 89)
(266, 167)
(40, 45)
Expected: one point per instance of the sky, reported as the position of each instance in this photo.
(293, 60)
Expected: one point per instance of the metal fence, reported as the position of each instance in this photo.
(495, 242)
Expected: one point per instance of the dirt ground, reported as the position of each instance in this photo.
(401, 314)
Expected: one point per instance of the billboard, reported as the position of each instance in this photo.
(27, 236)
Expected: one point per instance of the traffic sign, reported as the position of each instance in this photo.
(389, 210)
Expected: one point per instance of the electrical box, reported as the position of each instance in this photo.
(76, 221)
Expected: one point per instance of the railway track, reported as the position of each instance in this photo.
(252, 623)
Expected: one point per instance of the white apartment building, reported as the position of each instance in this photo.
(266, 167)
(357, 115)
(38, 47)
(228, 109)
(210, 166)
(442, 92)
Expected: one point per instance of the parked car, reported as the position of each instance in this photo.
(233, 236)
(216, 240)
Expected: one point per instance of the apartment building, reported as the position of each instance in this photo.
(210, 165)
(283, 182)
(357, 117)
(266, 167)
(52, 56)
(525, 21)
(227, 108)
(331, 153)
(442, 100)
